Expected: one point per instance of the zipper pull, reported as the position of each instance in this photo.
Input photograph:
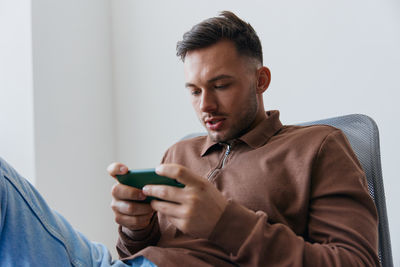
(228, 150)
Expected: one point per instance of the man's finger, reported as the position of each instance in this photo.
(125, 192)
(131, 208)
(117, 168)
(180, 173)
(168, 208)
(164, 192)
(133, 223)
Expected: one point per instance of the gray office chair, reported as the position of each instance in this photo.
(363, 135)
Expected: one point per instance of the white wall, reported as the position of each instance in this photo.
(327, 58)
(73, 112)
(16, 90)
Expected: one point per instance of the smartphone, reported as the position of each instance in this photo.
(140, 178)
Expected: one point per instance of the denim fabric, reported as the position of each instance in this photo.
(32, 234)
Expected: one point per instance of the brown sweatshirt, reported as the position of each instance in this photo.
(297, 197)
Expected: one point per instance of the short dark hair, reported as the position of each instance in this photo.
(227, 26)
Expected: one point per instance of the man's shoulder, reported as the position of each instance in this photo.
(307, 135)
(195, 141)
(190, 146)
(317, 130)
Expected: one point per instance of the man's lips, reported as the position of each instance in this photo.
(214, 124)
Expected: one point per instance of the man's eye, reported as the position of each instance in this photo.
(221, 86)
(195, 92)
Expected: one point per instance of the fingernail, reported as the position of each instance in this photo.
(123, 169)
(159, 168)
(145, 190)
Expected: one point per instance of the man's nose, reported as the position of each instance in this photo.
(208, 102)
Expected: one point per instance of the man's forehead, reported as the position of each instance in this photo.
(198, 72)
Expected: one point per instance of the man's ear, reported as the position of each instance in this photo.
(263, 79)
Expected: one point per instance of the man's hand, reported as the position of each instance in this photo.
(194, 209)
(128, 213)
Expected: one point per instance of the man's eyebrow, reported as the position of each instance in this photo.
(188, 85)
(219, 77)
(216, 78)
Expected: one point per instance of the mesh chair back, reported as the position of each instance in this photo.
(363, 135)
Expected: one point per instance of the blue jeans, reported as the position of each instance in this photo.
(31, 234)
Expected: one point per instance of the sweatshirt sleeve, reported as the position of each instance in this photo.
(342, 227)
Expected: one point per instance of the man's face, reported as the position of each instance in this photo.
(223, 86)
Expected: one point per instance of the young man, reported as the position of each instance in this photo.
(257, 193)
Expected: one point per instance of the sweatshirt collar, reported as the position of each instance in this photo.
(256, 137)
